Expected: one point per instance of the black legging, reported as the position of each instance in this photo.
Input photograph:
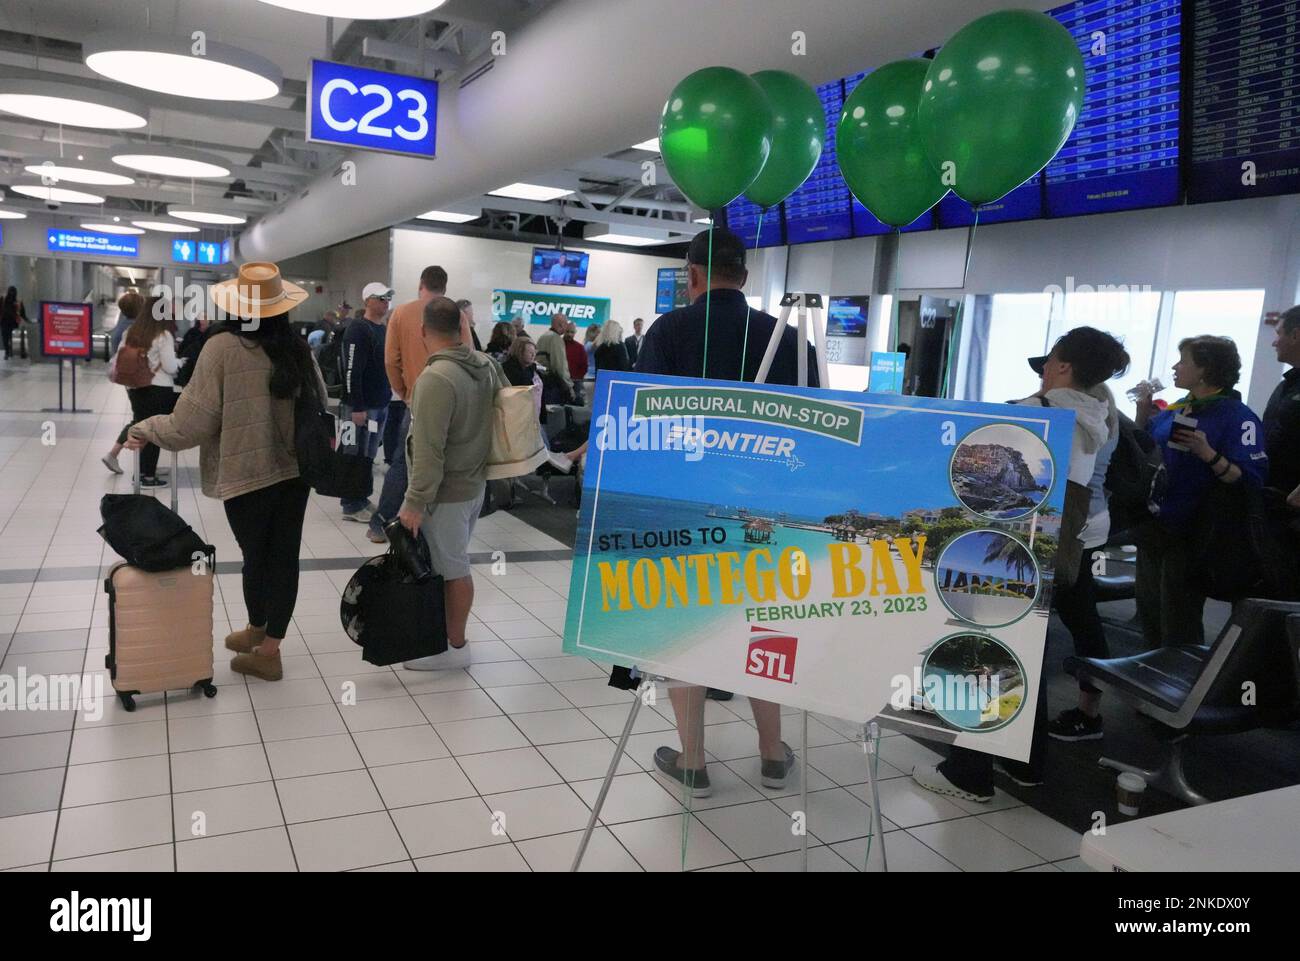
(1077, 606)
(148, 402)
(268, 526)
(7, 333)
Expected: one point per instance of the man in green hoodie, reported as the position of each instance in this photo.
(446, 453)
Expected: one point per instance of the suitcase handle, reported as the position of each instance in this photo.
(173, 483)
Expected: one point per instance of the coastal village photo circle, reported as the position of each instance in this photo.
(973, 682)
(1001, 472)
(987, 577)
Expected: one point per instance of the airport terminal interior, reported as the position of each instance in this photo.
(163, 162)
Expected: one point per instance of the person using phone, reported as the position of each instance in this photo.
(1209, 437)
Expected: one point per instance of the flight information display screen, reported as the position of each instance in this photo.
(743, 220)
(1124, 151)
(1245, 75)
(819, 210)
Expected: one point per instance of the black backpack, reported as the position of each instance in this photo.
(330, 359)
(147, 534)
(1135, 478)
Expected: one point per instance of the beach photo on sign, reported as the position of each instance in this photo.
(973, 682)
(987, 577)
(1001, 471)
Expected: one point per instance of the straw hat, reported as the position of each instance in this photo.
(258, 291)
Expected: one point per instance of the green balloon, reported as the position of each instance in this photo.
(798, 133)
(999, 102)
(715, 135)
(880, 151)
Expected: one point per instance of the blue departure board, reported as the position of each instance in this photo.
(1023, 203)
(1124, 151)
(865, 223)
(819, 210)
(1245, 97)
(743, 220)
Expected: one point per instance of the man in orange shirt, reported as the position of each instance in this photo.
(405, 355)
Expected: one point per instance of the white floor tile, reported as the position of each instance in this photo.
(902, 853)
(448, 826)
(294, 722)
(313, 755)
(121, 780)
(502, 771)
(821, 860)
(400, 745)
(225, 810)
(27, 839)
(342, 844)
(118, 742)
(555, 853)
(159, 857)
(31, 752)
(500, 858)
(504, 673)
(1047, 838)
(219, 767)
(480, 734)
(631, 797)
(457, 705)
(554, 727)
(527, 698)
(263, 850)
(974, 846)
(422, 782)
(657, 844)
(100, 828)
(752, 830)
(323, 796)
(220, 730)
(540, 811)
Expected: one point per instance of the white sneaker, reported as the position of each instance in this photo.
(109, 461)
(361, 517)
(453, 658)
(560, 462)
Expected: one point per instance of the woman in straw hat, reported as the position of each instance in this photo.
(238, 409)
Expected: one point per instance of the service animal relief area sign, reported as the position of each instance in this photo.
(537, 308)
(857, 555)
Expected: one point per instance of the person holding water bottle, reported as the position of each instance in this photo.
(1209, 437)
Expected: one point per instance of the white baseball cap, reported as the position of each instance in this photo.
(382, 291)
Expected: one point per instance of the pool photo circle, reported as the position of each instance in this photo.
(973, 681)
(1001, 472)
(987, 577)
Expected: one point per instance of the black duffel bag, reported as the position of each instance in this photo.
(147, 534)
(394, 605)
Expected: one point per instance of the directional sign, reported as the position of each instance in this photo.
(209, 253)
(371, 109)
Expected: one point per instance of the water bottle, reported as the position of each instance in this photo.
(1148, 388)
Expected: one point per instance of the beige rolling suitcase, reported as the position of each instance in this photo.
(160, 626)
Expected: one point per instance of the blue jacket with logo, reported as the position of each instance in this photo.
(1232, 429)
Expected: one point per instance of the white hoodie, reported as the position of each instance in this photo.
(1091, 428)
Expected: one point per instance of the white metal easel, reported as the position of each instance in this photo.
(805, 305)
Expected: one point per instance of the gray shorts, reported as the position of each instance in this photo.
(447, 531)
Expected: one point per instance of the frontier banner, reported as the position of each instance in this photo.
(538, 308)
(858, 555)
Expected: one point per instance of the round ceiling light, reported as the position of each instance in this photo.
(166, 226)
(51, 101)
(167, 64)
(112, 228)
(56, 194)
(75, 172)
(370, 10)
(12, 214)
(171, 161)
(203, 215)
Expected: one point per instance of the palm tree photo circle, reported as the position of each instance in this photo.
(987, 577)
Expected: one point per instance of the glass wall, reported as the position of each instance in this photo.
(1225, 313)
(1017, 330)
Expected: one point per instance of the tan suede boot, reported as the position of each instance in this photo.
(255, 664)
(241, 642)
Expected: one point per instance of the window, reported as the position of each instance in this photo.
(1225, 313)
(1130, 315)
(1017, 331)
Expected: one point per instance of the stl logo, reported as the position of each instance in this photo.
(771, 655)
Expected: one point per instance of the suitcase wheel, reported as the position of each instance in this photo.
(209, 689)
(128, 701)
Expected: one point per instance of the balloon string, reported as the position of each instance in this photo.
(708, 299)
(744, 347)
(893, 311)
(954, 337)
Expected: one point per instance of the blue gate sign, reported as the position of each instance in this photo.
(371, 109)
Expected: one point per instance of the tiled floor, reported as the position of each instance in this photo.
(492, 768)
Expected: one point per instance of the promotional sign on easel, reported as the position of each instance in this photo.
(856, 555)
(66, 334)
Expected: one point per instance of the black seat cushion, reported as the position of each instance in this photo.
(1163, 677)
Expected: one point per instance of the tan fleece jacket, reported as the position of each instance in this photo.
(244, 435)
(451, 427)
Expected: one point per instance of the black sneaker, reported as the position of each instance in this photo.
(1020, 772)
(934, 778)
(715, 695)
(1074, 725)
(152, 482)
(696, 781)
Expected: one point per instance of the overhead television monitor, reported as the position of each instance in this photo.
(563, 268)
(847, 316)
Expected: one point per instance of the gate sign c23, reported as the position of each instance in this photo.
(371, 109)
(538, 308)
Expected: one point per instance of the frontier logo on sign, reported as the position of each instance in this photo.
(771, 655)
